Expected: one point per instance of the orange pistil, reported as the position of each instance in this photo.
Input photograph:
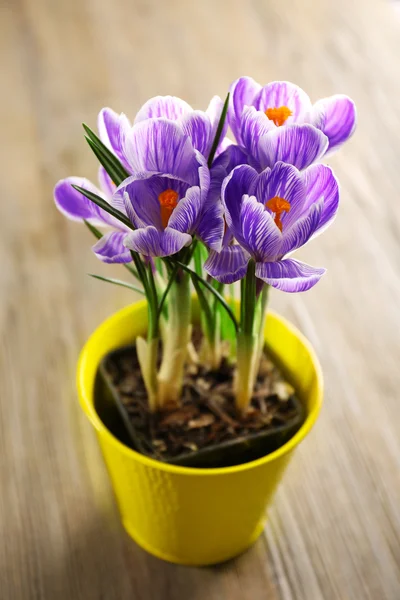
(168, 200)
(278, 206)
(278, 114)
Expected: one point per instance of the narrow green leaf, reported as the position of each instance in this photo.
(219, 131)
(118, 282)
(168, 287)
(212, 290)
(105, 206)
(96, 232)
(204, 305)
(112, 171)
(110, 159)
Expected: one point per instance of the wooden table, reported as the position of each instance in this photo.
(333, 531)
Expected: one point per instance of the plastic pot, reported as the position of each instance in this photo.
(189, 515)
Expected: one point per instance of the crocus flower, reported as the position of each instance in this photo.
(77, 207)
(270, 215)
(277, 122)
(199, 126)
(165, 196)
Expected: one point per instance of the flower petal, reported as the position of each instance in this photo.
(197, 127)
(232, 156)
(259, 236)
(76, 206)
(298, 145)
(243, 92)
(284, 93)
(204, 175)
(112, 131)
(211, 225)
(253, 125)
(282, 181)
(302, 230)
(320, 182)
(110, 248)
(186, 215)
(107, 186)
(169, 107)
(143, 197)
(336, 117)
(160, 146)
(149, 241)
(229, 265)
(289, 275)
(240, 181)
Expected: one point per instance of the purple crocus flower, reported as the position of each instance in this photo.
(199, 126)
(77, 207)
(270, 215)
(164, 198)
(277, 122)
(166, 195)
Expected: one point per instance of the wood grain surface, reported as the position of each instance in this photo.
(333, 531)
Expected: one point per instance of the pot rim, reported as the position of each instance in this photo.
(87, 404)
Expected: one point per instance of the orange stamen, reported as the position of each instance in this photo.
(278, 205)
(278, 114)
(168, 200)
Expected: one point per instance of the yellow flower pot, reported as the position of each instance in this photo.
(186, 515)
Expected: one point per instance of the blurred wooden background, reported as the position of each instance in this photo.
(333, 531)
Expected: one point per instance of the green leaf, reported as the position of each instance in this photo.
(168, 287)
(104, 205)
(96, 232)
(109, 161)
(118, 282)
(205, 307)
(219, 131)
(220, 298)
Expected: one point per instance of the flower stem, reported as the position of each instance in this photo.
(176, 338)
(147, 351)
(250, 337)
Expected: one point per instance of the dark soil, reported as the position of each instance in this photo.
(207, 417)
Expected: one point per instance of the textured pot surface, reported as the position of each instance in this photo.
(186, 515)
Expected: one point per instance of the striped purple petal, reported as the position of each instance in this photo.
(143, 195)
(204, 176)
(77, 207)
(110, 248)
(211, 225)
(320, 182)
(197, 126)
(298, 145)
(229, 265)
(186, 215)
(242, 180)
(113, 129)
(253, 125)
(289, 275)
(160, 146)
(282, 181)
(107, 186)
(302, 230)
(169, 107)
(242, 93)
(259, 236)
(336, 117)
(149, 241)
(232, 156)
(284, 93)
